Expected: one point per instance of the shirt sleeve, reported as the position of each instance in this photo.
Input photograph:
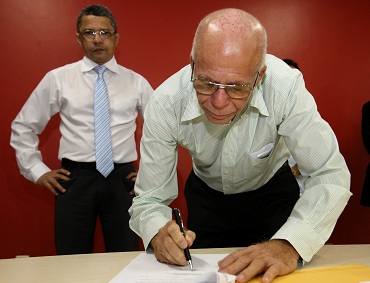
(29, 123)
(315, 148)
(146, 92)
(157, 187)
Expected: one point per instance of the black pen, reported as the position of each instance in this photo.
(179, 222)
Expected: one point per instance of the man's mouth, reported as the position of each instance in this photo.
(217, 116)
(99, 50)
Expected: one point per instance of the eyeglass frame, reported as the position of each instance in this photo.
(95, 32)
(223, 86)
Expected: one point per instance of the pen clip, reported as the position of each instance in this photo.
(178, 219)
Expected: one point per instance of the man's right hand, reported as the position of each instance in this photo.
(50, 180)
(169, 244)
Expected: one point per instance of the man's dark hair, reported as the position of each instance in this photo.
(292, 63)
(98, 11)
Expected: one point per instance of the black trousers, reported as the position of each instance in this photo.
(89, 195)
(242, 219)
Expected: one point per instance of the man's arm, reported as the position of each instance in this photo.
(156, 183)
(315, 148)
(146, 91)
(29, 123)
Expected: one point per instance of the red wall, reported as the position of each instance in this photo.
(329, 39)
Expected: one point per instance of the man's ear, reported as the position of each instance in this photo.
(262, 73)
(117, 38)
(191, 59)
(78, 38)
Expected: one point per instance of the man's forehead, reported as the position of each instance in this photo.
(90, 20)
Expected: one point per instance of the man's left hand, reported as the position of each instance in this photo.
(273, 258)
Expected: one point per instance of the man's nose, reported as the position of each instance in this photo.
(220, 98)
(97, 38)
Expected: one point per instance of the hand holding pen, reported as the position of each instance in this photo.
(179, 222)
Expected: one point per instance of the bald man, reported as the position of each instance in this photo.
(239, 113)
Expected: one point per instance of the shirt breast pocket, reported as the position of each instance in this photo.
(255, 163)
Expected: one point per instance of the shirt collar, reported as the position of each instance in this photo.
(88, 65)
(192, 108)
(257, 101)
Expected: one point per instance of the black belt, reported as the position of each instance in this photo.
(87, 165)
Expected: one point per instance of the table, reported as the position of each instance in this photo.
(102, 267)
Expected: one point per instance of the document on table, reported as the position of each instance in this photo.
(146, 269)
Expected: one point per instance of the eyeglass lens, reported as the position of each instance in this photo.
(207, 87)
(90, 34)
(210, 88)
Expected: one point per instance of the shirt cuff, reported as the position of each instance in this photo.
(306, 243)
(151, 229)
(37, 171)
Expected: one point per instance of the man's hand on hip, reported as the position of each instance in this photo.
(50, 180)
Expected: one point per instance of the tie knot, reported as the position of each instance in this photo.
(100, 69)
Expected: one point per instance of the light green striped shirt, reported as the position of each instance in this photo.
(281, 118)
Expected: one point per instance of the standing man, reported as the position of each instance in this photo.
(239, 113)
(98, 100)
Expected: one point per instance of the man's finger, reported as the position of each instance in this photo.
(254, 268)
(59, 187)
(50, 188)
(270, 274)
(63, 171)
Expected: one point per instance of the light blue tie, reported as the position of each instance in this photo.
(103, 144)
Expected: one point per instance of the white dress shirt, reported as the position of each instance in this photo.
(242, 156)
(69, 90)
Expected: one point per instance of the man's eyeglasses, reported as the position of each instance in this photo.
(233, 90)
(90, 34)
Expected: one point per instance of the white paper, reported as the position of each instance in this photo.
(146, 269)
